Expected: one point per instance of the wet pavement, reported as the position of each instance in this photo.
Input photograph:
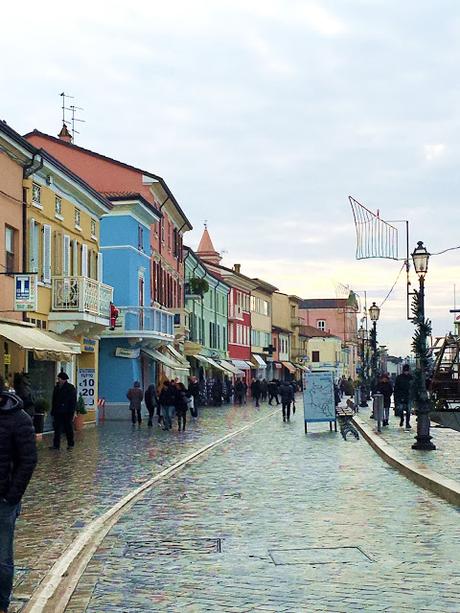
(444, 460)
(71, 488)
(276, 520)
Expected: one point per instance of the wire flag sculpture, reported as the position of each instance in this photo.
(375, 238)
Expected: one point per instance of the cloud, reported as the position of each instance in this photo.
(433, 152)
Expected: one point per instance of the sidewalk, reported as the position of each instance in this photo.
(279, 521)
(445, 460)
(69, 489)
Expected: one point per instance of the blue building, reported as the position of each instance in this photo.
(143, 335)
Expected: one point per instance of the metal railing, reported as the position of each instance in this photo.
(235, 311)
(81, 295)
(145, 320)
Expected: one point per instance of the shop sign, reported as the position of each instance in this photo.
(88, 345)
(25, 292)
(7, 358)
(123, 352)
(86, 386)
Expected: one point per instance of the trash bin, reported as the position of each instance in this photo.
(377, 409)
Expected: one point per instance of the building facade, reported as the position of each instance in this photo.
(261, 329)
(285, 334)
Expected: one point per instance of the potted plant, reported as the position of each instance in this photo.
(41, 408)
(198, 286)
(79, 421)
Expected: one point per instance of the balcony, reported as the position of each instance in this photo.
(296, 321)
(181, 323)
(298, 353)
(235, 312)
(79, 299)
(142, 322)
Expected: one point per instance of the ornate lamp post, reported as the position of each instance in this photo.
(374, 313)
(362, 336)
(420, 257)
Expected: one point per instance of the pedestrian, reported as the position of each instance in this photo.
(135, 396)
(216, 392)
(22, 387)
(181, 406)
(385, 388)
(18, 458)
(264, 390)
(64, 405)
(273, 392)
(287, 396)
(194, 390)
(343, 385)
(167, 403)
(294, 390)
(239, 392)
(337, 395)
(152, 403)
(256, 391)
(245, 391)
(403, 395)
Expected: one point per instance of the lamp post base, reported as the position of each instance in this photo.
(424, 443)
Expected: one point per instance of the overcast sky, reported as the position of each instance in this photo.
(263, 116)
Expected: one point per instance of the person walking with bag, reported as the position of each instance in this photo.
(287, 396)
(181, 404)
(152, 403)
(135, 396)
(18, 458)
(64, 405)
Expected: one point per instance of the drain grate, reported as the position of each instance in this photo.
(318, 555)
(138, 549)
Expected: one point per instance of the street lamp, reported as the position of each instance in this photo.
(362, 336)
(374, 314)
(420, 257)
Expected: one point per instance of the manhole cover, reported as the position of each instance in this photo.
(318, 555)
(137, 549)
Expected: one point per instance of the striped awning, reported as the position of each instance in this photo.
(259, 361)
(291, 368)
(214, 364)
(242, 365)
(230, 367)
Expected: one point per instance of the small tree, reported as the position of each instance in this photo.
(81, 407)
(198, 286)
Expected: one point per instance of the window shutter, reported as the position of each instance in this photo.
(66, 256)
(46, 271)
(33, 250)
(75, 258)
(84, 260)
(100, 266)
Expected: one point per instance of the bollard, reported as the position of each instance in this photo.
(377, 410)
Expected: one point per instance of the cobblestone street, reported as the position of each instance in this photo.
(274, 520)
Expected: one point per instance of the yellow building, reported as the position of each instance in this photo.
(321, 350)
(66, 305)
(261, 326)
(286, 324)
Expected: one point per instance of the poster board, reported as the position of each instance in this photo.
(319, 398)
(86, 386)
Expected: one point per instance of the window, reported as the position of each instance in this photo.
(315, 356)
(77, 218)
(140, 238)
(93, 228)
(321, 324)
(9, 248)
(58, 206)
(46, 258)
(162, 225)
(36, 194)
(253, 304)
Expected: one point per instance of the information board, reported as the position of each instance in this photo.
(318, 397)
(86, 386)
(25, 292)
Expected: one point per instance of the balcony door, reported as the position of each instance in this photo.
(141, 299)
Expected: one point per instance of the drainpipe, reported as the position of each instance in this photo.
(159, 244)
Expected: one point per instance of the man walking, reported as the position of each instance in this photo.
(18, 458)
(63, 410)
(151, 402)
(273, 392)
(287, 396)
(168, 403)
(403, 395)
(256, 391)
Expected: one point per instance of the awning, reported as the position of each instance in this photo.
(229, 366)
(214, 364)
(177, 356)
(41, 343)
(259, 360)
(242, 365)
(291, 368)
(73, 345)
(278, 365)
(166, 360)
(201, 358)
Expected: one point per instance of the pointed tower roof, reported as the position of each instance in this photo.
(64, 134)
(206, 249)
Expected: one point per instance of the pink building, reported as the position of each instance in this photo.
(338, 317)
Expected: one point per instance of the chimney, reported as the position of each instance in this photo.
(64, 134)
(237, 268)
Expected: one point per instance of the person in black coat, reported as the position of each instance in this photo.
(403, 395)
(239, 392)
(273, 391)
(287, 396)
(63, 410)
(151, 402)
(181, 405)
(385, 388)
(256, 391)
(18, 458)
(194, 389)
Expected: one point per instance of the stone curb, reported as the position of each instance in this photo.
(56, 589)
(446, 488)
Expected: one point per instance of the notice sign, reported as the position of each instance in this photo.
(25, 292)
(318, 397)
(86, 386)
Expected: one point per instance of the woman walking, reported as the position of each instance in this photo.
(385, 388)
(135, 396)
(181, 406)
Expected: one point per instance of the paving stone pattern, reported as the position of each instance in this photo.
(274, 520)
(69, 489)
(445, 460)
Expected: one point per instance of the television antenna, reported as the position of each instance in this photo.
(64, 107)
(74, 109)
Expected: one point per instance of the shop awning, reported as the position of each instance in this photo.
(229, 366)
(278, 365)
(40, 342)
(201, 358)
(291, 368)
(166, 360)
(259, 361)
(214, 364)
(177, 356)
(242, 365)
(73, 345)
